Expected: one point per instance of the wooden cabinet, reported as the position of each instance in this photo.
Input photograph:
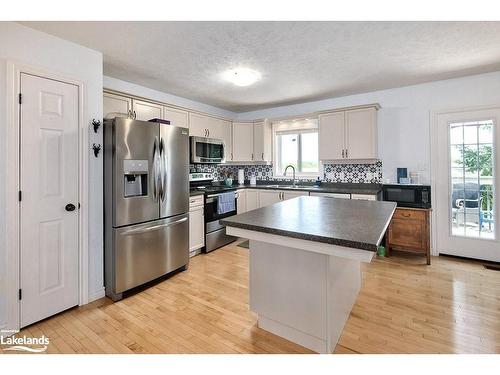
(196, 223)
(348, 135)
(146, 111)
(243, 141)
(409, 230)
(241, 202)
(252, 200)
(177, 117)
(115, 104)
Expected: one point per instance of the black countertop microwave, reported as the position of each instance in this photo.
(414, 196)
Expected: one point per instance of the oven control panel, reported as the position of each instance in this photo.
(199, 176)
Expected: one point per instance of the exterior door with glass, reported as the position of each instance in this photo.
(466, 168)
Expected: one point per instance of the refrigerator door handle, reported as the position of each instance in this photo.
(163, 170)
(154, 169)
(154, 227)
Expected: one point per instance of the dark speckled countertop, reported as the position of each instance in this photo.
(326, 187)
(350, 223)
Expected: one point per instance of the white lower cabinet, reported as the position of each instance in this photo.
(241, 203)
(252, 200)
(364, 197)
(331, 195)
(268, 197)
(196, 223)
(293, 194)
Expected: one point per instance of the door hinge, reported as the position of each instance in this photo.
(20, 294)
(20, 98)
(20, 196)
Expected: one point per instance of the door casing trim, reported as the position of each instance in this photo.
(434, 146)
(13, 82)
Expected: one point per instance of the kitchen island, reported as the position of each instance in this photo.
(305, 263)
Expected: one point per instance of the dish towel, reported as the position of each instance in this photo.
(226, 202)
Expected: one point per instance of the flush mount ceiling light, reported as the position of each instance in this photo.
(242, 76)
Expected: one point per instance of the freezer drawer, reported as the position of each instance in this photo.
(145, 252)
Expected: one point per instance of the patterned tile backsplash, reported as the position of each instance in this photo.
(352, 173)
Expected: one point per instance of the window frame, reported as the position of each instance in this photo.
(277, 163)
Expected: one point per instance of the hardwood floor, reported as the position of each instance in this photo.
(452, 306)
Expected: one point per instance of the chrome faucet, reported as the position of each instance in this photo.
(293, 169)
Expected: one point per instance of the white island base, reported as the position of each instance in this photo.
(302, 290)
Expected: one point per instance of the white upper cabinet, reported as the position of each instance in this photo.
(221, 129)
(211, 127)
(146, 111)
(116, 104)
(243, 141)
(331, 136)
(252, 141)
(177, 117)
(198, 125)
(361, 133)
(348, 135)
(262, 141)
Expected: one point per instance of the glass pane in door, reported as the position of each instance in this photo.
(471, 179)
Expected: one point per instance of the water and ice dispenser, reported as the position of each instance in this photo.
(135, 178)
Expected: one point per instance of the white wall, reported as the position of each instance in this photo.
(404, 119)
(29, 47)
(144, 92)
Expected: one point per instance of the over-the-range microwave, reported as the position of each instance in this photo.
(207, 150)
(415, 196)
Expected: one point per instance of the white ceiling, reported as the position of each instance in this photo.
(299, 61)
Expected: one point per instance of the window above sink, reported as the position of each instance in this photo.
(296, 143)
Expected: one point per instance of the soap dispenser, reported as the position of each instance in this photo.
(318, 182)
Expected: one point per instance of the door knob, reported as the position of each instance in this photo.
(70, 207)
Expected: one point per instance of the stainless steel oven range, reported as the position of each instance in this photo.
(215, 233)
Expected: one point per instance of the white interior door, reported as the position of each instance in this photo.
(49, 182)
(466, 168)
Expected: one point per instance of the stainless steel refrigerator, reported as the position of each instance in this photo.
(146, 202)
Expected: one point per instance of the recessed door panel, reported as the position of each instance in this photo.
(49, 183)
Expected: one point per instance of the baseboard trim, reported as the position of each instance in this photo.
(97, 295)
